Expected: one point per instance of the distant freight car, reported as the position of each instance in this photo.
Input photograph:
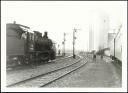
(116, 47)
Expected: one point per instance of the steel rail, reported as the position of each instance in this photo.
(63, 75)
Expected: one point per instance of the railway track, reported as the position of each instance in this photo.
(49, 77)
(63, 58)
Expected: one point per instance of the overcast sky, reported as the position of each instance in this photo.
(59, 17)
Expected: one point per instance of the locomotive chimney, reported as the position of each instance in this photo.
(45, 35)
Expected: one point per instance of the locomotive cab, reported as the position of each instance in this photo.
(16, 46)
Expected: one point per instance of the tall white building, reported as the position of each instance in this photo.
(91, 39)
(98, 34)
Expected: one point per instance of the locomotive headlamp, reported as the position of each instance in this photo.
(31, 48)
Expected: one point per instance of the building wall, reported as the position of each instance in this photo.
(99, 31)
(91, 39)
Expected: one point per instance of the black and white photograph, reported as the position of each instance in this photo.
(65, 46)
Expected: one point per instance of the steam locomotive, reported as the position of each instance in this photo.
(25, 47)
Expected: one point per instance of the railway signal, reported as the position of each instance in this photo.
(74, 38)
(64, 44)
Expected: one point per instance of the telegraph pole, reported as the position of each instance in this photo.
(64, 44)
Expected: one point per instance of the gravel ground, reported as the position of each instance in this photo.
(22, 74)
(42, 80)
(99, 73)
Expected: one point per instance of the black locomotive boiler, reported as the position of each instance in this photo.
(25, 47)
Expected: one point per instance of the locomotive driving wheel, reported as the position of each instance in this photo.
(44, 57)
(21, 60)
